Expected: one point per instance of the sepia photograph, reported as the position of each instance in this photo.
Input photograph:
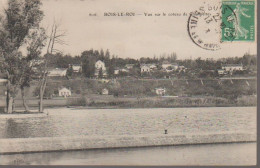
(128, 82)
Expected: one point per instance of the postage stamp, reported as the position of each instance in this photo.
(238, 20)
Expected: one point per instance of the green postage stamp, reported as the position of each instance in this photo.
(238, 20)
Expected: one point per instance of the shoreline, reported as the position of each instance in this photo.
(53, 144)
(108, 107)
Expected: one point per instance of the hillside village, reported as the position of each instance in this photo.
(146, 70)
(95, 79)
(95, 64)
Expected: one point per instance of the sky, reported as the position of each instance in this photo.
(133, 37)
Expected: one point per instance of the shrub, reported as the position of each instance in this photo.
(79, 101)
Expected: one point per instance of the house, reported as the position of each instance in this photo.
(124, 70)
(3, 78)
(100, 66)
(116, 71)
(172, 66)
(232, 67)
(145, 68)
(64, 92)
(221, 71)
(104, 91)
(182, 68)
(57, 72)
(129, 66)
(152, 66)
(76, 68)
(160, 91)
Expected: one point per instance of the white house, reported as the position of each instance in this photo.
(129, 66)
(76, 68)
(116, 71)
(100, 65)
(232, 67)
(145, 68)
(57, 72)
(167, 65)
(152, 66)
(160, 91)
(64, 92)
(221, 72)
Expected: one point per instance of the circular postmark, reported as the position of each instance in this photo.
(204, 26)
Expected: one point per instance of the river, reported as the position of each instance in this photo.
(73, 122)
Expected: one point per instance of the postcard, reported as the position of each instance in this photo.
(128, 82)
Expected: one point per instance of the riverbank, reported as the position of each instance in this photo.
(232, 154)
(48, 144)
(109, 101)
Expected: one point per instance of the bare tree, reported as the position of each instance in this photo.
(56, 37)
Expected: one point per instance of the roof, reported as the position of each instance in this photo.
(169, 63)
(145, 65)
(227, 65)
(57, 69)
(64, 88)
(160, 88)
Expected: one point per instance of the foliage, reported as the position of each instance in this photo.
(69, 71)
(19, 29)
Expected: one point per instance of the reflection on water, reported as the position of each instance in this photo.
(212, 154)
(70, 122)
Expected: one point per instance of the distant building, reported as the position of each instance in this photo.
(160, 91)
(100, 65)
(105, 91)
(145, 68)
(57, 72)
(173, 66)
(124, 70)
(152, 66)
(221, 71)
(116, 71)
(182, 68)
(129, 66)
(232, 67)
(3, 78)
(64, 92)
(77, 68)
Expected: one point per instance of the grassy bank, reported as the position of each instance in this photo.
(109, 101)
(162, 102)
(140, 93)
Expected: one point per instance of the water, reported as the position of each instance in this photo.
(212, 154)
(70, 122)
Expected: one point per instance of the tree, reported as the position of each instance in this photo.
(100, 73)
(88, 59)
(56, 37)
(17, 30)
(69, 71)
